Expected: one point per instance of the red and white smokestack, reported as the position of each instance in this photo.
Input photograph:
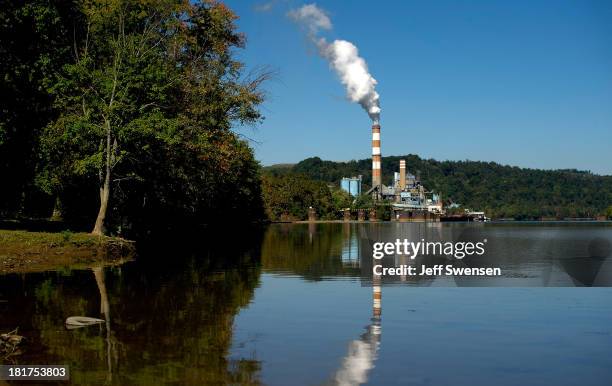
(402, 181)
(376, 175)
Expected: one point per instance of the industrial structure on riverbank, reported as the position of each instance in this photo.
(409, 199)
(405, 198)
(351, 185)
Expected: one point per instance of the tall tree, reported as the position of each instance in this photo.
(154, 82)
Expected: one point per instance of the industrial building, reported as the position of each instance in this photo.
(409, 199)
(351, 185)
(406, 196)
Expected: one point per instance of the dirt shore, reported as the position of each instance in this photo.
(23, 251)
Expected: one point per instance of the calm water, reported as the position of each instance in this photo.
(293, 305)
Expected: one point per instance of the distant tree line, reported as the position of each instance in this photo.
(502, 191)
(117, 115)
(288, 197)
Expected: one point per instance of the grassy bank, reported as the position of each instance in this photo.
(23, 251)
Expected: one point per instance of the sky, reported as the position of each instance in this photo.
(522, 83)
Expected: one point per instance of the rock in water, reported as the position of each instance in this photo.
(81, 321)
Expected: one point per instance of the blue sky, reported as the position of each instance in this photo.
(525, 83)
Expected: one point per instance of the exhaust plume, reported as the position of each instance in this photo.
(343, 57)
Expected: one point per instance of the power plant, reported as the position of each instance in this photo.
(406, 196)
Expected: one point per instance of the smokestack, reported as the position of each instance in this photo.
(376, 175)
(402, 181)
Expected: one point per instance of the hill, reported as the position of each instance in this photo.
(503, 191)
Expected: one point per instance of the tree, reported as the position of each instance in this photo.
(34, 44)
(505, 190)
(153, 84)
(341, 199)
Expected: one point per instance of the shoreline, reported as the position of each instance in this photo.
(457, 222)
(25, 251)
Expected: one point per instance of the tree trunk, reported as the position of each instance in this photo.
(104, 194)
(104, 187)
(57, 211)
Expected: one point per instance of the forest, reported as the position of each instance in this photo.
(501, 191)
(117, 116)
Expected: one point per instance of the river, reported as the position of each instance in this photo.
(296, 304)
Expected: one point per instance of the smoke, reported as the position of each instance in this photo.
(343, 57)
(311, 17)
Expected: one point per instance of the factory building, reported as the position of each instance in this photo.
(408, 198)
(411, 201)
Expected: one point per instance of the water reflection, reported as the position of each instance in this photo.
(289, 305)
(172, 318)
(363, 352)
(312, 251)
(111, 346)
(350, 247)
(528, 254)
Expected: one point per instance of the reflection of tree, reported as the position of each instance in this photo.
(172, 322)
(111, 347)
(310, 251)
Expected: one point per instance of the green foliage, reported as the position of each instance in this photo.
(35, 41)
(334, 171)
(289, 197)
(146, 92)
(66, 235)
(341, 199)
(364, 201)
(502, 191)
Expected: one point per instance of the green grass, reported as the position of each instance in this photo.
(23, 251)
(65, 238)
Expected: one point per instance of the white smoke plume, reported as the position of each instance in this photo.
(343, 57)
(312, 17)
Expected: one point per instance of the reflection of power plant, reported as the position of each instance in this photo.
(350, 247)
(357, 247)
(363, 352)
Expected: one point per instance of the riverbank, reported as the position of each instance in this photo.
(23, 251)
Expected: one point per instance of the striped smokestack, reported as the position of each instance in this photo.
(402, 181)
(376, 176)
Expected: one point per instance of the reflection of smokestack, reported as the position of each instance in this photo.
(376, 176)
(377, 299)
(402, 184)
(376, 296)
